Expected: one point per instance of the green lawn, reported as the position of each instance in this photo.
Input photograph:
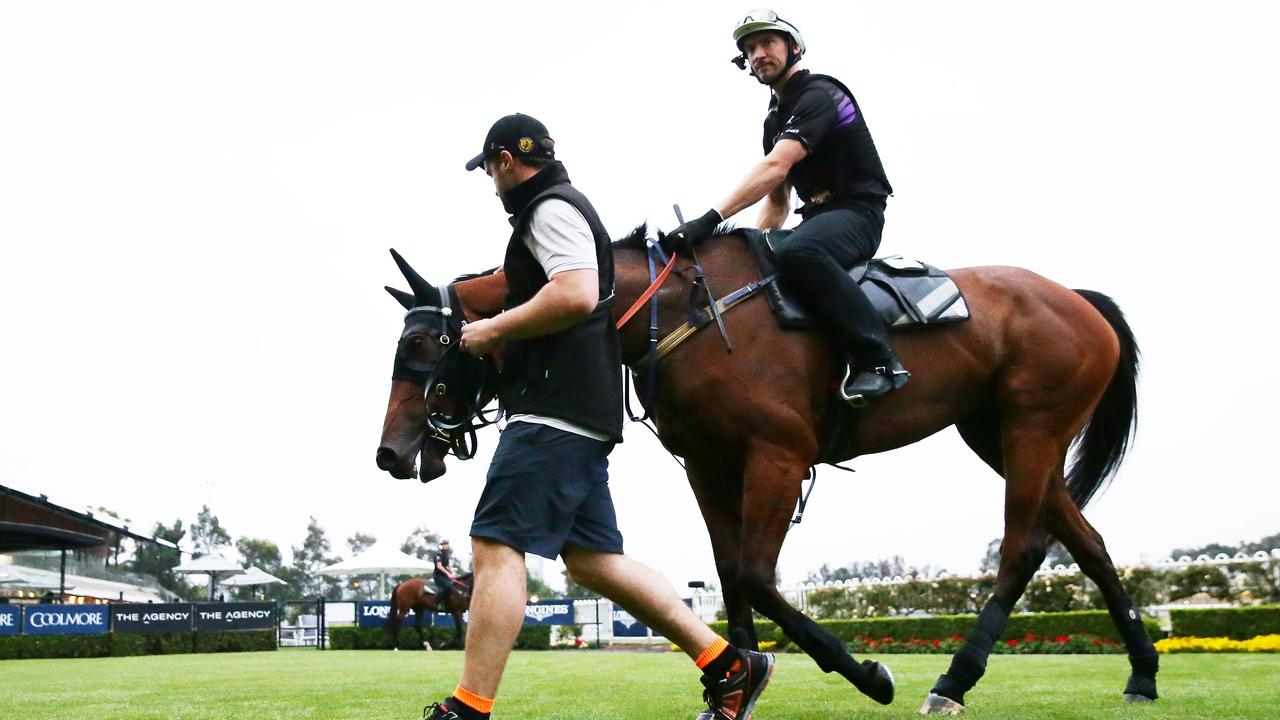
(369, 685)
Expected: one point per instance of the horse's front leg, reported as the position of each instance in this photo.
(771, 484)
(719, 495)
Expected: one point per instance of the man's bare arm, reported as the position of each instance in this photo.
(765, 177)
(567, 298)
(777, 206)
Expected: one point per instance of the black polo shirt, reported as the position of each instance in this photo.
(842, 167)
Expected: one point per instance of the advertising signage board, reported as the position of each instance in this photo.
(64, 619)
(151, 617)
(235, 616)
(10, 619)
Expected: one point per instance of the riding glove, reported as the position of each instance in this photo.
(688, 235)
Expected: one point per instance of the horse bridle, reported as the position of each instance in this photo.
(456, 430)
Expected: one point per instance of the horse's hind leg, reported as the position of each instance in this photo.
(719, 497)
(1069, 526)
(1032, 458)
(772, 483)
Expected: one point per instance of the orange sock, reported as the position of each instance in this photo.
(711, 653)
(479, 703)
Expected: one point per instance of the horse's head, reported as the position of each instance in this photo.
(436, 389)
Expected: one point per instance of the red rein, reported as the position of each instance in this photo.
(644, 297)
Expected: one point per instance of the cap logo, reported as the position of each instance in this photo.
(526, 144)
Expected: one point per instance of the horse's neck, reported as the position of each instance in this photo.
(482, 297)
(725, 260)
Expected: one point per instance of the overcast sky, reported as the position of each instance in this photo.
(196, 201)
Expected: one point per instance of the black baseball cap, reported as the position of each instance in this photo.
(519, 134)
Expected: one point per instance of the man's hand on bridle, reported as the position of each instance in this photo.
(684, 238)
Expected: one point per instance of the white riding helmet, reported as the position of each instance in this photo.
(766, 19)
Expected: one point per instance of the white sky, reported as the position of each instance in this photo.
(196, 201)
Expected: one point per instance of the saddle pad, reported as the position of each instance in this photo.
(905, 292)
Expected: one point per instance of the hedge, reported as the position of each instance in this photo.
(531, 637)
(119, 645)
(1240, 623)
(941, 627)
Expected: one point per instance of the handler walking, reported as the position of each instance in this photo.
(547, 490)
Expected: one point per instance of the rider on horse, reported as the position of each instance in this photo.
(443, 574)
(815, 140)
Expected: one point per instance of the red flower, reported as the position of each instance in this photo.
(1012, 643)
(1062, 639)
(1029, 638)
(936, 643)
(957, 637)
(1097, 641)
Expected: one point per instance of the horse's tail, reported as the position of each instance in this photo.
(1101, 445)
(393, 617)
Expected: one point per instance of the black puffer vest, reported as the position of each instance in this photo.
(575, 374)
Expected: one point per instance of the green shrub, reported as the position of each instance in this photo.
(66, 646)
(126, 644)
(354, 638)
(234, 641)
(1241, 623)
(10, 647)
(534, 637)
(1094, 623)
(531, 637)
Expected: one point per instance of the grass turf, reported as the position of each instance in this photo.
(298, 684)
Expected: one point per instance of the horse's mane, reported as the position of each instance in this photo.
(473, 276)
(635, 240)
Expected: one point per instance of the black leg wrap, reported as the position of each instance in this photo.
(969, 664)
(1142, 686)
(743, 638)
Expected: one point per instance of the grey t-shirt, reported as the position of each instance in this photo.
(560, 239)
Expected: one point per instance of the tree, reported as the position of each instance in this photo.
(158, 560)
(312, 555)
(573, 590)
(262, 553)
(534, 587)
(1056, 555)
(888, 567)
(207, 534)
(422, 543)
(360, 542)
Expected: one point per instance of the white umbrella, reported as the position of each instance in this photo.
(381, 561)
(253, 575)
(211, 565)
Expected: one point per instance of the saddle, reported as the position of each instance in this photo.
(906, 293)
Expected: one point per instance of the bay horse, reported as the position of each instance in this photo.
(415, 596)
(1039, 372)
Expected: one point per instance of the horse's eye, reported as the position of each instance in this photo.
(414, 343)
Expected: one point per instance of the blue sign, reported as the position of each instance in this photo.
(65, 619)
(625, 625)
(372, 614)
(549, 612)
(10, 619)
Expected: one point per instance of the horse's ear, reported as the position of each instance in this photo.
(421, 288)
(402, 297)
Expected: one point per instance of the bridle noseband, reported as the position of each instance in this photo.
(451, 366)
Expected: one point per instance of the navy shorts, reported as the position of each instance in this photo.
(548, 487)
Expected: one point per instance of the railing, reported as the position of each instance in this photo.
(709, 603)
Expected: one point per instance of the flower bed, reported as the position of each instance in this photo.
(1259, 644)
(1029, 644)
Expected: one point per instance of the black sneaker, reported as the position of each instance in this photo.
(438, 711)
(734, 696)
(858, 389)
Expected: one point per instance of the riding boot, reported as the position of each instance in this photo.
(829, 292)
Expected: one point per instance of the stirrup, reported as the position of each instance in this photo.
(894, 373)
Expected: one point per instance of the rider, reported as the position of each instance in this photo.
(443, 574)
(815, 140)
(547, 490)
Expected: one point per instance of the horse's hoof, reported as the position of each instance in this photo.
(881, 686)
(939, 705)
(427, 646)
(395, 649)
(1136, 698)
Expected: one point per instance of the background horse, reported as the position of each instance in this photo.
(1037, 370)
(417, 597)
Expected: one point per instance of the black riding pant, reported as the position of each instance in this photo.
(814, 262)
(444, 584)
